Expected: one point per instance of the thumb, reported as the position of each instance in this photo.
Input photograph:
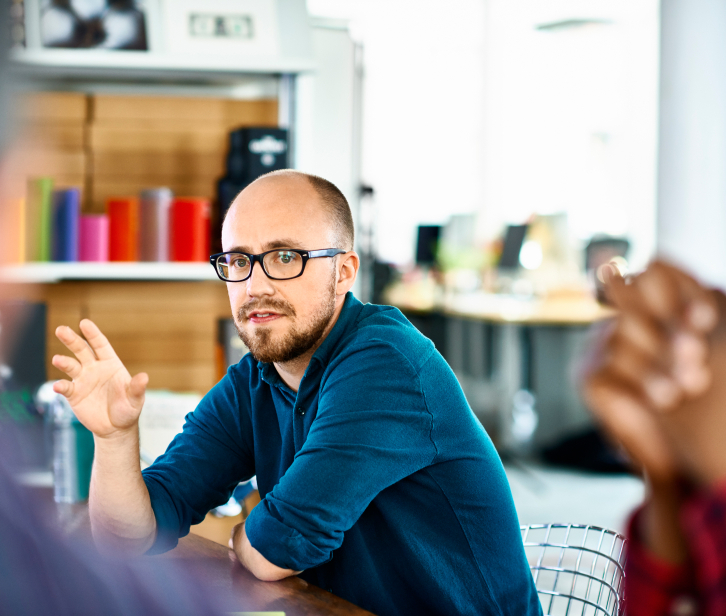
(137, 388)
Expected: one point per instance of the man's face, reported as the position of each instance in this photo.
(279, 320)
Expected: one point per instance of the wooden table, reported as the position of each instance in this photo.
(217, 570)
(212, 564)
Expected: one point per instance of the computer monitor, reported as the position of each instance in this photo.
(427, 243)
(513, 240)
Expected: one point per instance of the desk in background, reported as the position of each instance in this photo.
(503, 348)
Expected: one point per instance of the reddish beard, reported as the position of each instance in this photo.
(288, 345)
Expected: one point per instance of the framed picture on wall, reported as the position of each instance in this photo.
(221, 27)
(118, 25)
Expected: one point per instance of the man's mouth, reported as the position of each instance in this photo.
(263, 316)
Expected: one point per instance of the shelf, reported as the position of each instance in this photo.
(55, 272)
(147, 65)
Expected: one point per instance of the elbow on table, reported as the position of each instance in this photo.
(265, 571)
(113, 543)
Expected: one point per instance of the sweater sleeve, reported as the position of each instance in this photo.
(203, 464)
(372, 429)
(654, 587)
(704, 523)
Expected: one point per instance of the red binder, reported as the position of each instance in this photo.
(123, 229)
(189, 229)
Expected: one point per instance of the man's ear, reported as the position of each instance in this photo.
(347, 271)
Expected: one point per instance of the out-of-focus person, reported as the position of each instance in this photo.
(657, 382)
(41, 571)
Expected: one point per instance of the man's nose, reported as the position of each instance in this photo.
(258, 283)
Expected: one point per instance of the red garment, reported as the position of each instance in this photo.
(698, 588)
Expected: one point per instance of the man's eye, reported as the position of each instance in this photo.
(286, 257)
(240, 262)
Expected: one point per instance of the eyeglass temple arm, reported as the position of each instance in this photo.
(328, 252)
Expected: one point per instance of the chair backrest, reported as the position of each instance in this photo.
(578, 569)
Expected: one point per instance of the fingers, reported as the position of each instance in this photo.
(644, 335)
(636, 370)
(75, 344)
(639, 353)
(137, 388)
(666, 294)
(690, 363)
(627, 419)
(67, 364)
(98, 342)
(666, 315)
(65, 388)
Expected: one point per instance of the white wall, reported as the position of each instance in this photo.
(572, 117)
(692, 174)
(423, 141)
(468, 108)
(325, 111)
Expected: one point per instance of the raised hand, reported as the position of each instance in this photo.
(102, 393)
(659, 384)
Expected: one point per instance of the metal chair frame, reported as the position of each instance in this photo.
(603, 579)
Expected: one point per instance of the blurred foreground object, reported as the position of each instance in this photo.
(43, 572)
(656, 380)
(600, 251)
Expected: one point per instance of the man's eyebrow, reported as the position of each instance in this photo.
(281, 243)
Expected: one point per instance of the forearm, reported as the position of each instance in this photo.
(119, 503)
(255, 562)
(660, 527)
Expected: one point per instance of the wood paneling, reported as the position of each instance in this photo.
(62, 134)
(149, 166)
(52, 139)
(141, 141)
(204, 111)
(48, 106)
(111, 145)
(166, 329)
(120, 137)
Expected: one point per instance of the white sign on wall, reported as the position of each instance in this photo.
(221, 27)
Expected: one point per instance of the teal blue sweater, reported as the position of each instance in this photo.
(376, 478)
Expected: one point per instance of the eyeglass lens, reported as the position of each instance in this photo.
(278, 264)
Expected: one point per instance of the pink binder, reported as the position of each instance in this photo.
(93, 238)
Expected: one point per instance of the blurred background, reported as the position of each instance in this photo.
(495, 153)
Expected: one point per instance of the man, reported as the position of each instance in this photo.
(377, 481)
(658, 385)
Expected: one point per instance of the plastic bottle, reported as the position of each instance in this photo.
(72, 454)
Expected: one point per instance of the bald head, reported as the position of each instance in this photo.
(324, 193)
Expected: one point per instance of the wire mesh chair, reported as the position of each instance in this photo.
(577, 569)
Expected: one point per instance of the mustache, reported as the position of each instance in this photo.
(273, 305)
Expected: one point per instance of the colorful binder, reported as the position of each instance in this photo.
(189, 229)
(66, 211)
(123, 229)
(154, 224)
(38, 219)
(93, 238)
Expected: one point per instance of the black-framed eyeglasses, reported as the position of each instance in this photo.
(278, 264)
